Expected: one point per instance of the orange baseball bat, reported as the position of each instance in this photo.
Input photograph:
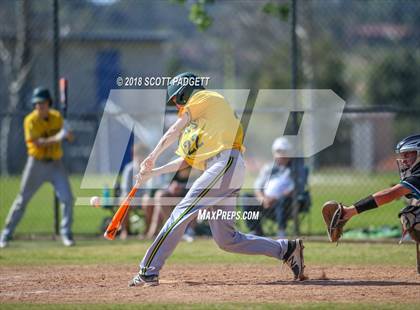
(118, 218)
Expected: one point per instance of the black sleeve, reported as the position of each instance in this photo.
(413, 183)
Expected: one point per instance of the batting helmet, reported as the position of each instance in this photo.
(182, 86)
(408, 151)
(41, 94)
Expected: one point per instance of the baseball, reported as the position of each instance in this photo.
(95, 202)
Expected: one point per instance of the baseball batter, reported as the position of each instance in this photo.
(210, 139)
(44, 131)
(408, 151)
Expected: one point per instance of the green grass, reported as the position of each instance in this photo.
(38, 217)
(349, 187)
(203, 251)
(311, 306)
(342, 185)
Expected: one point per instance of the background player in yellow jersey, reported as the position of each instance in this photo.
(210, 138)
(44, 131)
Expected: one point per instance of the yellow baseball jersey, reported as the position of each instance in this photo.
(36, 127)
(213, 127)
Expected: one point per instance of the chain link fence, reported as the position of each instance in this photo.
(365, 51)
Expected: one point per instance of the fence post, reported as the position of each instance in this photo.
(294, 85)
(56, 45)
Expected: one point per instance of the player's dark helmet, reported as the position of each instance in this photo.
(408, 151)
(182, 86)
(41, 94)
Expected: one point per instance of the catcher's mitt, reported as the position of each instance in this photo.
(332, 211)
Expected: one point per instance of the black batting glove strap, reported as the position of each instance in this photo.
(365, 204)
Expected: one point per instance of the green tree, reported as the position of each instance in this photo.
(201, 18)
(198, 13)
(395, 80)
(16, 63)
(329, 68)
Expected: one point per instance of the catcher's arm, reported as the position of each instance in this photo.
(336, 215)
(380, 198)
(390, 194)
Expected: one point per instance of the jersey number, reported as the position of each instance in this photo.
(192, 145)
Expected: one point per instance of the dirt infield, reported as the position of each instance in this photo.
(210, 283)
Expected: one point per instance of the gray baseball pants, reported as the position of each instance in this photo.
(36, 173)
(217, 188)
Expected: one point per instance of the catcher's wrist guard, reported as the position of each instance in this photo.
(365, 204)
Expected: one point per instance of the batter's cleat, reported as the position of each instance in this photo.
(67, 240)
(188, 238)
(294, 258)
(3, 243)
(142, 280)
